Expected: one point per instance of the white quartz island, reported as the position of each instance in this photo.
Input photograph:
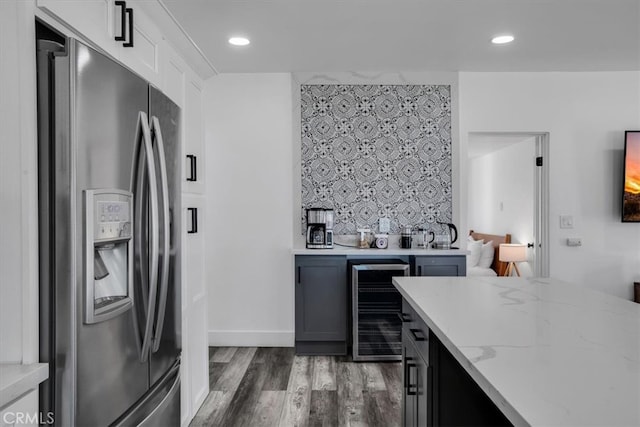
(545, 352)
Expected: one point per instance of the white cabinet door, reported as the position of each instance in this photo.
(94, 19)
(194, 307)
(99, 22)
(194, 169)
(144, 56)
(174, 75)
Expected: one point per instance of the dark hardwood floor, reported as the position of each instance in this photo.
(270, 386)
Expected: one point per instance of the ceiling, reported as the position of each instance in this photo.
(414, 35)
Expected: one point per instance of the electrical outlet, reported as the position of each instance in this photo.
(384, 224)
(566, 221)
(574, 241)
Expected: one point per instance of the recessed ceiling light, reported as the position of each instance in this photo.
(505, 38)
(239, 41)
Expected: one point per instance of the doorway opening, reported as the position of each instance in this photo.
(508, 191)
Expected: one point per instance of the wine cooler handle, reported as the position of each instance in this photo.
(417, 337)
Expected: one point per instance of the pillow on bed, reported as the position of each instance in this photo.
(475, 249)
(486, 255)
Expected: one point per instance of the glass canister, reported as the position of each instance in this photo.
(364, 238)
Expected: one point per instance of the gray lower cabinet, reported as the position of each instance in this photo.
(437, 391)
(437, 265)
(417, 388)
(321, 305)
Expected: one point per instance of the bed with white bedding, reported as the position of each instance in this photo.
(484, 254)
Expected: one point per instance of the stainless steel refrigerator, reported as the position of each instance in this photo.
(109, 209)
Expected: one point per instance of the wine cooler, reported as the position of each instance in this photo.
(377, 328)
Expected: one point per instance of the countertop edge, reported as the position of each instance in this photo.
(378, 252)
(16, 380)
(496, 397)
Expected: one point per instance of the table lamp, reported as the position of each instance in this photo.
(512, 253)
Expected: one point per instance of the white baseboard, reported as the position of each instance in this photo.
(251, 338)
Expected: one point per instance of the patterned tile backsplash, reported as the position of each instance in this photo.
(371, 151)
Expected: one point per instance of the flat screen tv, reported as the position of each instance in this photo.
(631, 194)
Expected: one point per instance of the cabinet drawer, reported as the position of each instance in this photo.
(416, 329)
(430, 265)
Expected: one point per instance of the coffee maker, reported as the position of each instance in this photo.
(319, 228)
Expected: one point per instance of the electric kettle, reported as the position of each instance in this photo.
(453, 232)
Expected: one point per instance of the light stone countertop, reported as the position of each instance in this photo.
(545, 351)
(16, 380)
(394, 249)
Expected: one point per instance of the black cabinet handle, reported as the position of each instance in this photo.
(404, 317)
(298, 274)
(123, 22)
(417, 337)
(130, 42)
(194, 220)
(412, 389)
(192, 165)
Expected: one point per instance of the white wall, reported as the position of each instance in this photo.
(586, 115)
(249, 198)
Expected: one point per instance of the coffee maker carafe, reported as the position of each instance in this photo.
(319, 228)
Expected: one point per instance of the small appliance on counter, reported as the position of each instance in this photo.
(381, 241)
(446, 239)
(423, 238)
(406, 237)
(319, 228)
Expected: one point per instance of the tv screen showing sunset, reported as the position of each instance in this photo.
(631, 200)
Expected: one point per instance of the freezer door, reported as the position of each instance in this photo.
(160, 407)
(106, 99)
(166, 130)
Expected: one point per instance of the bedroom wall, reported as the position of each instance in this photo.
(501, 194)
(586, 115)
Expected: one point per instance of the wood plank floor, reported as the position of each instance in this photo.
(271, 386)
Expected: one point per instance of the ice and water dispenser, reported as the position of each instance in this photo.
(108, 253)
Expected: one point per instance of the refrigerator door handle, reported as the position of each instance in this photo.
(146, 163)
(166, 230)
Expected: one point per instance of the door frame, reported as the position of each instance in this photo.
(541, 255)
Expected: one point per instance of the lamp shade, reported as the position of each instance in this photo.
(512, 252)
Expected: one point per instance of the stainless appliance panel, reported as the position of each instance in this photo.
(160, 406)
(168, 117)
(106, 99)
(56, 248)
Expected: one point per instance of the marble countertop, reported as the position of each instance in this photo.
(390, 251)
(545, 351)
(16, 380)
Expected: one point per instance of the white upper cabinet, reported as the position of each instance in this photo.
(144, 56)
(174, 74)
(100, 22)
(94, 19)
(194, 170)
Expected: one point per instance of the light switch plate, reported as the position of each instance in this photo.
(566, 221)
(384, 224)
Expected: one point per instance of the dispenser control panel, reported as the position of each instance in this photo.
(112, 215)
(113, 220)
